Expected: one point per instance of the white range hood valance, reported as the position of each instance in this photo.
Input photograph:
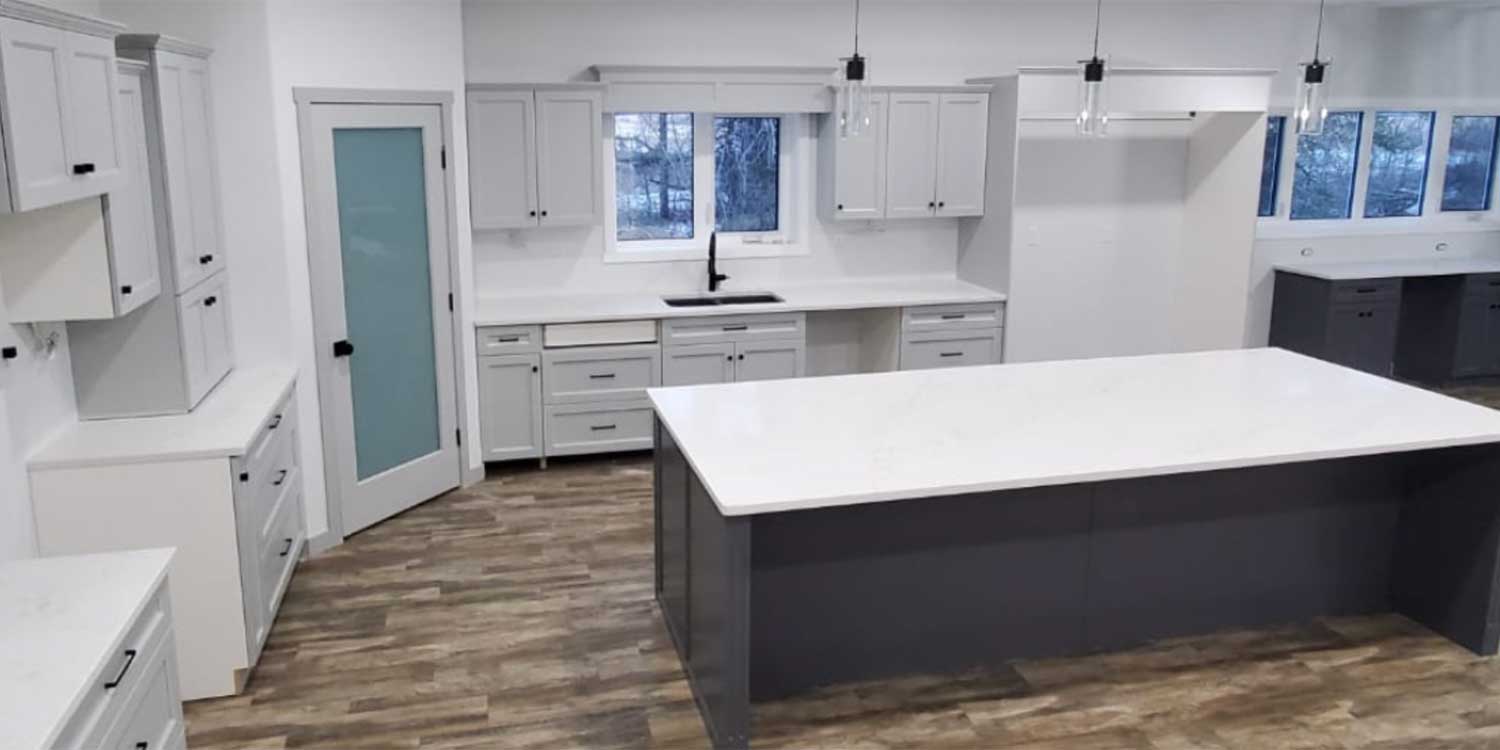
(745, 90)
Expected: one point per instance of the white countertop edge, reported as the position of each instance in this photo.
(58, 723)
(1100, 476)
(652, 308)
(36, 463)
(1389, 268)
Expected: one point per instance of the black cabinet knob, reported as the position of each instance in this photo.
(742, 356)
(204, 260)
(544, 213)
(9, 353)
(84, 168)
(841, 206)
(730, 358)
(931, 204)
(533, 213)
(342, 348)
(941, 204)
(534, 368)
(125, 289)
(210, 301)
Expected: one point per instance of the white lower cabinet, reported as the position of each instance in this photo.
(223, 485)
(599, 427)
(510, 406)
(951, 335)
(698, 364)
(112, 615)
(699, 351)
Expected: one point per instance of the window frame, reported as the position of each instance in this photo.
(794, 176)
(1358, 181)
(1373, 118)
(1433, 218)
(1278, 165)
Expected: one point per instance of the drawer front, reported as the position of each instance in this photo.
(734, 328)
(1482, 283)
(598, 428)
(125, 671)
(951, 317)
(153, 716)
(509, 340)
(952, 350)
(1366, 290)
(613, 373)
(267, 473)
(278, 557)
(599, 334)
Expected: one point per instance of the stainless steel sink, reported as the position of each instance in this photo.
(716, 300)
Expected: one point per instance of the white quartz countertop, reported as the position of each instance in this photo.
(815, 442)
(534, 309)
(224, 424)
(60, 619)
(1380, 269)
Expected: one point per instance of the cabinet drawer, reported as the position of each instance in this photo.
(598, 428)
(953, 349)
(599, 334)
(152, 718)
(734, 328)
(278, 556)
(509, 340)
(267, 471)
(614, 373)
(1366, 290)
(125, 670)
(1482, 283)
(951, 317)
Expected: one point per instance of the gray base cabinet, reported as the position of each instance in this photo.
(1450, 328)
(1351, 323)
(700, 351)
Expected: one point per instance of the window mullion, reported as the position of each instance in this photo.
(704, 188)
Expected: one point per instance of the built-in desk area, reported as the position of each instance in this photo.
(1431, 321)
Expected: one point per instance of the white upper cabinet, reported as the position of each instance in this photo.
(535, 155)
(855, 167)
(180, 75)
(59, 110)
(911, 155)
(923, 157)
(963, 132)
(130, 211)
(502, 159)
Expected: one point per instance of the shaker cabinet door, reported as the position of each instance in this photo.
(569, 157)
(911, 156)
(33, 60)
(502, 159)
(510, 406)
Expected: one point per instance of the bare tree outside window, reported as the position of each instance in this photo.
(1323, 185)
(654, 176)
(1398, 164)
(1469, 182)
(747, 158)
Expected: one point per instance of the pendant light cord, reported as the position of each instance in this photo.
(1098, 12)
(1318, 44)
(856, 28)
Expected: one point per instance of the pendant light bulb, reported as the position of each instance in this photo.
(1311, 110)
(854, 90)
(1093, 109)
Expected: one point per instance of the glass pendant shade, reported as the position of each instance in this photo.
(1093, 111)
(854, 99)
(1312, 100)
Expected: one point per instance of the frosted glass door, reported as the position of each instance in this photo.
(379, 252)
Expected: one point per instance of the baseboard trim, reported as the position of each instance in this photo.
(323, 542)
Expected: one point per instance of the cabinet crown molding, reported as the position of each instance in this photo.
(57, 18)
(143, 42)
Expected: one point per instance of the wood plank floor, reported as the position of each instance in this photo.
(518, 615)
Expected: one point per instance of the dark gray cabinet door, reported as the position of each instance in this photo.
(1474, 352)
(1363, 337)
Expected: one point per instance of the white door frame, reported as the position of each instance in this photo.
(306, 99)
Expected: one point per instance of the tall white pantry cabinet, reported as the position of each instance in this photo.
(166, 356)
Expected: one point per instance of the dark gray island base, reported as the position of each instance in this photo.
(768, 605)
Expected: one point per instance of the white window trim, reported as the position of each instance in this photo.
(794, 201)
(1433, 218)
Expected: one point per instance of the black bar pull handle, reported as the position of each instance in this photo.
(603, 376)
(210, 301)
(602, 427)
(126, 289)
(1365, 290)
(287, 550)
(736, 328)
(129, 660)
(275, 422)
(204, 260)
(953, 316)
(84, 168)
(142, 746)
(342, 348)
(280, 477)
(950, 354)
(507, 339)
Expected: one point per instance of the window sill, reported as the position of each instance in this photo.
(700, 254)
(1283, 229)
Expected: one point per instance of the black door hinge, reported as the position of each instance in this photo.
(443, 156)
(460, 435)
(450, 302)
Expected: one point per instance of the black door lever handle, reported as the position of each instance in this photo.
(342, 348)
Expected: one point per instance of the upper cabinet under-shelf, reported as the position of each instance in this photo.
(59, 107)
(923, 156)
(535, 155)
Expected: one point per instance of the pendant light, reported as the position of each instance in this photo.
(1093, 115)
(1312, 98)
(854, 91)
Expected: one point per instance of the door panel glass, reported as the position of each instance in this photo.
(382, 209)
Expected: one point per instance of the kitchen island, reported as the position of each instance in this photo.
(810, 532)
